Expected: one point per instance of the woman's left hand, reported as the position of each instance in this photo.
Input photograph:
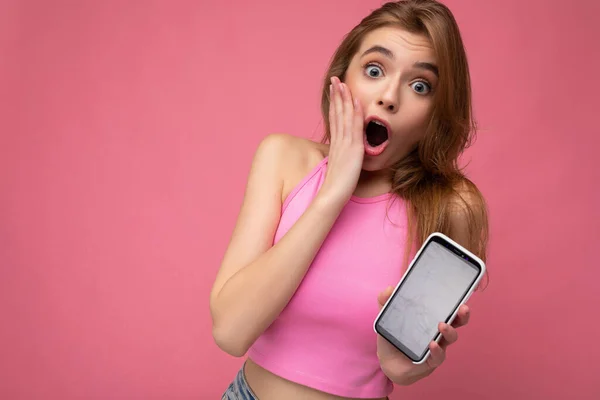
(400, 368)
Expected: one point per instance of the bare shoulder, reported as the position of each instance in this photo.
(293, 156)
(468, 216)
(466, 195)
(292, 148)
(276, 162)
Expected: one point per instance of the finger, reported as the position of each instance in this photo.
(358, 128)
(339, 108)
(449, 335)
(348, 110)
(384, 296)
(462, 317)
(332, 124)
(437, 355)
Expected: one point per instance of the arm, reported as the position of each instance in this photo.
(468, 226)
(257, 279)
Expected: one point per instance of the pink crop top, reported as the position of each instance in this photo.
(324, 337)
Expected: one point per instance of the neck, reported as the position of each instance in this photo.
(374, 183)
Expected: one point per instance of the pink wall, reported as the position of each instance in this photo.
(120, 184)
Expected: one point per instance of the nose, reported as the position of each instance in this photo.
(390, 98)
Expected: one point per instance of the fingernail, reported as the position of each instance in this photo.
(355, 102)
(330, 89)
(342, 87)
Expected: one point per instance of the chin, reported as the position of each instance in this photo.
(373, 164)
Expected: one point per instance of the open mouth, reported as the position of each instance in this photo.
(376, 137)
(376, 132)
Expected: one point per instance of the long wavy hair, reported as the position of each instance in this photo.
(429, 179)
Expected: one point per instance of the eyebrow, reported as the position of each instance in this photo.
(389, 54)
(381, 50)
(427, 66)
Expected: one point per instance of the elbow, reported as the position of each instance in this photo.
(227, 334)
(230, 342)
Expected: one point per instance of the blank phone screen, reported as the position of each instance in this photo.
(429, 294)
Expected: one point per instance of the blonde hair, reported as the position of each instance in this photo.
(429, 179)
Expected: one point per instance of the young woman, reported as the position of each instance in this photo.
(326, 229)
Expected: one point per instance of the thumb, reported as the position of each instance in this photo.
(385, 295)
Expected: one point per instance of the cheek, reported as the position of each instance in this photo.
(358, 88)
(358, 91)
(413, 120)
(420, 111)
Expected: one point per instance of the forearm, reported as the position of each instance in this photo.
(254, 296)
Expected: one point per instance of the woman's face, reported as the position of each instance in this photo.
(394, 76)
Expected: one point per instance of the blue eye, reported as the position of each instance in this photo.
(421, 87)
(374, 71)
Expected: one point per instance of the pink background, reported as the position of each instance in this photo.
(127, 129)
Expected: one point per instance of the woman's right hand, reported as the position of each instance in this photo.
(346, 151)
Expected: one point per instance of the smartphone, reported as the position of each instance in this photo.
(441, 277)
